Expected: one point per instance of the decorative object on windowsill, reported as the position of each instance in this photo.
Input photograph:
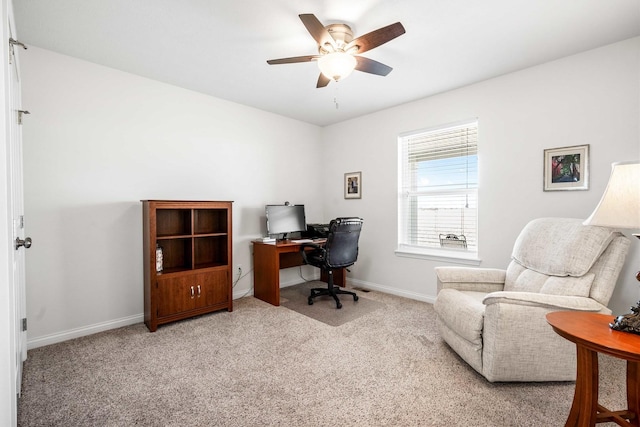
(353, 185)
(620, 208)
(566, 168)
(454, 241)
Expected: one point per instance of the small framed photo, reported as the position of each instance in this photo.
(353, 185)
(566, 168)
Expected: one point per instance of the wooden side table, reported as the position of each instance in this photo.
(592, 335)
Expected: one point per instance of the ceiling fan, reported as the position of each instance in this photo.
(338, 51)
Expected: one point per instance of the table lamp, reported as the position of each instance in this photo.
(620, 208)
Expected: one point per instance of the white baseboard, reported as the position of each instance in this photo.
(393, 291)
(83, 331)
(139, 318)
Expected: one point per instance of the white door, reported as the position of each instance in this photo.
(16, 201)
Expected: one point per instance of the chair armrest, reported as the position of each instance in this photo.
(471, 279)
(315, 247)
(310, 245)
(532, 299)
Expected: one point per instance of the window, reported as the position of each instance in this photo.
(438, 192)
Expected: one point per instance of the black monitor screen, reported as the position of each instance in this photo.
(285, 219)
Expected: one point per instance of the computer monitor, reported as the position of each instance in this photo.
(284, 219)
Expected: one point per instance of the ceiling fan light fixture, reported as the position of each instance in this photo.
(337, 65)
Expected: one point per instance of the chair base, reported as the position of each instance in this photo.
(332, 291)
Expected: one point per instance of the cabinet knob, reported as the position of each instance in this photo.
(199, 291)
(192, 292)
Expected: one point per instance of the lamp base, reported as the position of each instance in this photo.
(628, 322)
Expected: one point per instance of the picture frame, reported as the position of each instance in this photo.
(353, 185)
(566, 168)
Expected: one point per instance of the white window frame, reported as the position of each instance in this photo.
(469, 257)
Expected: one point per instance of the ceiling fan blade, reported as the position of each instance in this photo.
(322, 81)
(316, 29)
(372, 67)
(292, 60)
(377, 37)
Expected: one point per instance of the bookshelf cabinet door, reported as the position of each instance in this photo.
(176, 295)
(214, 289)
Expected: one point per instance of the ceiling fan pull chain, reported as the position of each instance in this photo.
(335, 97)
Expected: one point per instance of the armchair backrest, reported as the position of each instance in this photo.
(342, 242)
(563, 257)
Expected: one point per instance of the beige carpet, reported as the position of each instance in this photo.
(324, 308)
(271, 366)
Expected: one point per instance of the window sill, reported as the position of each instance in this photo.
(466, 258)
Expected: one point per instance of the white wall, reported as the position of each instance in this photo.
(100, 140)
(590, 98)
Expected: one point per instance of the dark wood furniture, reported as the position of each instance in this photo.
(195, 238)
(269, 258)
(592, 335)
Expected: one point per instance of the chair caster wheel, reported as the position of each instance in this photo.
(339, 305)
(355, 297)
(310, 301)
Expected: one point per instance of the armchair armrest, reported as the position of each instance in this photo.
(471, 279)
(532, 299)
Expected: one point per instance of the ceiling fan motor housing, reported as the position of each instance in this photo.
(341, 33)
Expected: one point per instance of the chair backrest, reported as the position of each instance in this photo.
(342, 242)
(563, 257)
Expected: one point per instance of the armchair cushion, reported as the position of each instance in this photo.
(561, 246)
(524, 280)
(470, 279)
(463, 312)
(573, 286)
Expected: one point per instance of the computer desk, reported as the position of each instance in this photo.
(269, 258)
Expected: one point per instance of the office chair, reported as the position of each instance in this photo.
(339, 251)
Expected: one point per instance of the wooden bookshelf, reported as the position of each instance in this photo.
(195, 277)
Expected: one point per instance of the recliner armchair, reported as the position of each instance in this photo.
(495, 319)
(339, 251)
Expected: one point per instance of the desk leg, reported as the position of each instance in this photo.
(633, 391)
(585, 400)
(266, 274)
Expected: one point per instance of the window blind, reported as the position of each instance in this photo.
(438, 188)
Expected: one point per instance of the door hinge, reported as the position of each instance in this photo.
(24, 324)
(13, 42)
(20, 114)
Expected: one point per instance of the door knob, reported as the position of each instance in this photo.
(26, 243)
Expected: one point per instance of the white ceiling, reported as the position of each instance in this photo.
(220, 47)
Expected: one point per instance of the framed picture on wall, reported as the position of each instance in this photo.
(566, 168)
(353, 185)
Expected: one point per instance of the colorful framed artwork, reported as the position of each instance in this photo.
(566, 168)
(353, 185)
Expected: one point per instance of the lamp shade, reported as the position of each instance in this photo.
(337, 65)
(620, 203)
